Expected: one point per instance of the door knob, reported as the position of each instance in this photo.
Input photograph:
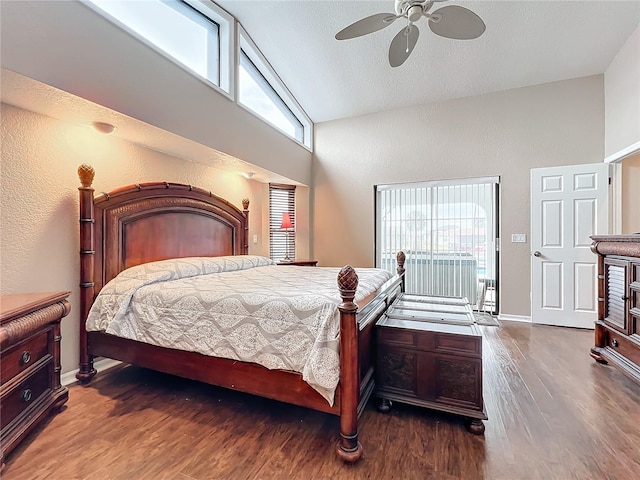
(537, 254)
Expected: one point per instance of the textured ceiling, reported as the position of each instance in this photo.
(526, 43)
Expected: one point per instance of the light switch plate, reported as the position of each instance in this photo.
(255, 238)
(518, 238)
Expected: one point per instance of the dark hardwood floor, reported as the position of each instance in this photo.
(553, 414)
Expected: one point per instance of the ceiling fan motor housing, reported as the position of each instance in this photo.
(412, 9)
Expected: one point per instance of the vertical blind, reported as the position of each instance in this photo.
(448, 231)
(281, 242)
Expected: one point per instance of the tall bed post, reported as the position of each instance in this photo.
(87, 259)
(349, 448)
(245, 239)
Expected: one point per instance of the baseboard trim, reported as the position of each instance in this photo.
(514, 318)
(101, 365)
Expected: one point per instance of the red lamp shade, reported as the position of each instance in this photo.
(286, 221)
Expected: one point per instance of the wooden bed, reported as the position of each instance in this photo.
(155, 221)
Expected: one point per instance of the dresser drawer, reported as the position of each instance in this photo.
(624, 346)
(26, 393)
(23, 355)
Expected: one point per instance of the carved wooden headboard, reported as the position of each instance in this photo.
(152, 221)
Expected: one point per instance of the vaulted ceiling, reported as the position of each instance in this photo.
(525, 43)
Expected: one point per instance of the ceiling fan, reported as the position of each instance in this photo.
(451, 22)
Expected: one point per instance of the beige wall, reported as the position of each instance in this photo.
(622, 97)
(631, 194)
(39, 201)
(505, 133)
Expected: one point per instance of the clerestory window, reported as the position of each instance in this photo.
(261, 91)
(193, 34)
(199, 36)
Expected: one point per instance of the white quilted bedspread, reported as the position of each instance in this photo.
(237, 307)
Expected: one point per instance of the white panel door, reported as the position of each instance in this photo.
(568, 204)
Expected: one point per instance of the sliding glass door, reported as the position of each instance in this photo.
(448, 229)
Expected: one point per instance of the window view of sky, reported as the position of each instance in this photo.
(193, 39)
(253, 96)
(173, 27)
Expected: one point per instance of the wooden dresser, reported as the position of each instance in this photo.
(29, 362)
(617, 330)
(429, 354)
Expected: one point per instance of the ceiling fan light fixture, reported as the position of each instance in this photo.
(414, 13)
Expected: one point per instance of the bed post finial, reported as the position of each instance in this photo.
(401, 257)
(349, 448)
(86, 174)
(245, 203)
(347, 283)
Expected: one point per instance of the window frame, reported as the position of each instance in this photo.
(254, 72)
(226, 27)
(275, 219)
(399, 195)
(226, 46)
(233, 39)
(253, 53)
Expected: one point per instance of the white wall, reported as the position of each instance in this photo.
(505, 133)
(67, 45)
(630, 179)
(39, 229)
(622, 97)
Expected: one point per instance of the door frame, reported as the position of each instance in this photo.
(564, 252)
(615, 160)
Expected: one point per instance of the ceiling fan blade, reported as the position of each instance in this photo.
(402, 45)
(367, 25)
(456, 22)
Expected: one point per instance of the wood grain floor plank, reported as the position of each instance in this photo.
(554, 414)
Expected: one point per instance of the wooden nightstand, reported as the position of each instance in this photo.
(30, 367)
(429, 354)
(301, 263)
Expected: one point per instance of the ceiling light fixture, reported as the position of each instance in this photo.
(249, 175)
(103, 127)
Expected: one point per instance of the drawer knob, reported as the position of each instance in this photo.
(624, 298)
(614, 342)
(26, 357)
(26, 394)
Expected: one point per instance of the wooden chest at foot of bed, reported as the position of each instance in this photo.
(429, 354)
